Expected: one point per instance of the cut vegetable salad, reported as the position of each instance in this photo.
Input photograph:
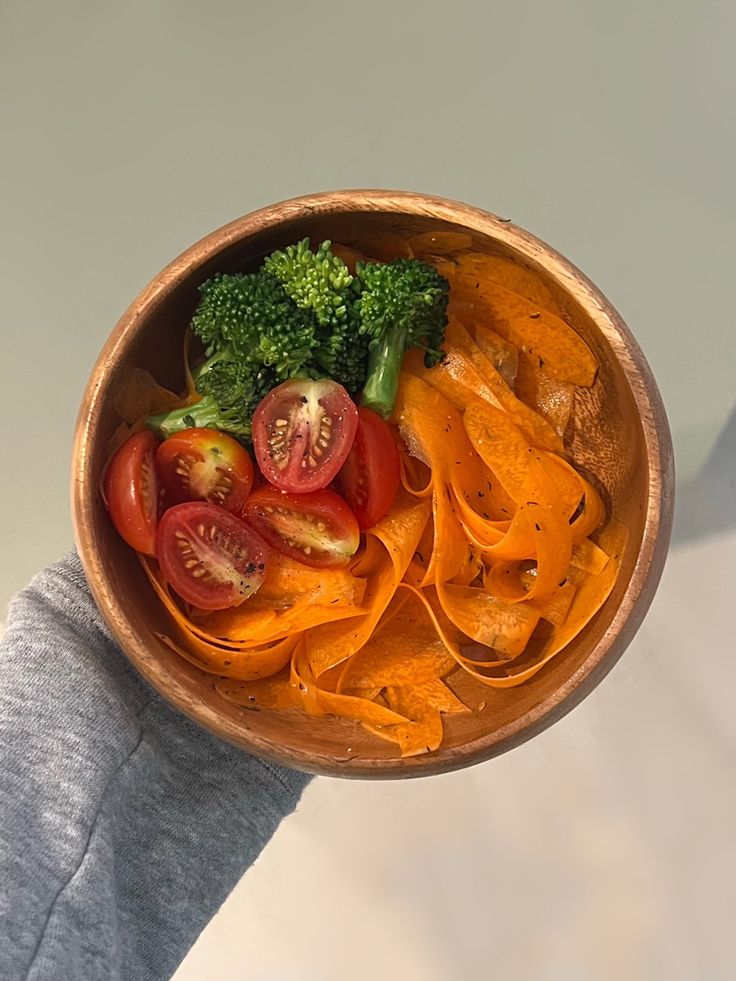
(364, 492)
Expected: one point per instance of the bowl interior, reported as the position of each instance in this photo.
(607, 441)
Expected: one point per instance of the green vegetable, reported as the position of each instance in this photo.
(231, 390)
(255, 337)
(321, 283)
(304, 315)
(251, 314)
(403, 304)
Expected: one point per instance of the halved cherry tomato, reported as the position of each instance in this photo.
(205, 465)
(131, 492)
(211, 558)
(302, 433)
(370, 476)
(318, 529)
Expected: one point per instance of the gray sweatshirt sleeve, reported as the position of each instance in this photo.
(123, 826)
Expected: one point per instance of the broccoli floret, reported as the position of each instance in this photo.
(403, 304)
(230, 388)
(343, 356)
(252, 314)
(317, 281)
(254, 337)
(223, 315)
(238, 385)
(320, 283)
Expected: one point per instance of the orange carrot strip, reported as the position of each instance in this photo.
(398, 534)
(551, 398)
(503, 356)
(242, 665)
(534, 331)
(524, 474)
(293, 598)
(266, 620)
(588, 557)
(275, 692)
(416, 479)
(403, 651)
(474, 267)
(314, 701)
(591, 593)
(465, 374)
(422, 704)
(488, 620)
(556, 609)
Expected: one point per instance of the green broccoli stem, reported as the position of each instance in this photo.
(205, 414)
(384, 365)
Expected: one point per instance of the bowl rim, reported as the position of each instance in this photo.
(660, 479)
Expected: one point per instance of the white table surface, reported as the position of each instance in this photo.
(130, 130)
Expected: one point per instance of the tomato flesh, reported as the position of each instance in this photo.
(370, 477)
(131, 492)
(302, 434)
(212, 559)
(317, 529)
(205, 465)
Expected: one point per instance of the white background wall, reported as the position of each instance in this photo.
(130, 130)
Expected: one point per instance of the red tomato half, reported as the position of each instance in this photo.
(205, 465)
(370, 476)
(211, 558)
(302, 433)
(131, 492)
(317, 529)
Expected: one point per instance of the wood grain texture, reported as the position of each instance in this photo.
(619, 435)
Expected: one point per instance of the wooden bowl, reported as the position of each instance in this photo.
(621, 436)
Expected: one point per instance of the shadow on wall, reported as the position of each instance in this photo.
(707, 505)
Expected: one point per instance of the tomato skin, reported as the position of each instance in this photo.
(212, 559)
(302, 433)
(131, 492)
(205, 465)
(370, 477)
(317, 529)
